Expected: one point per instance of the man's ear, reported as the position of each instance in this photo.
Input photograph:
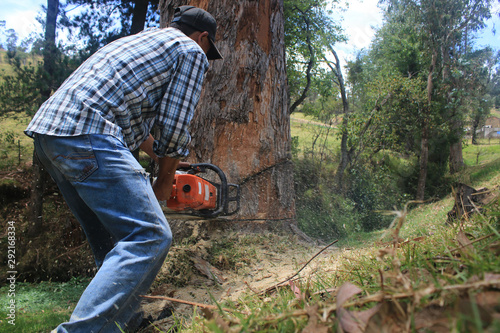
(203, 34)
(203, 41)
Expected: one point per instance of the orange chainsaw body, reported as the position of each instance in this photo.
(192, 192)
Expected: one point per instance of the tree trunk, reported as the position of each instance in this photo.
(242, 122)
(139, 16)
(424, 144)
(456, 160)
(456, 155)
(345, 154)
(50, 49)
(474, 127)
(423, 161)
(39, 174)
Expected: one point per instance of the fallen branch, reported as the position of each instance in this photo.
(381, 296)
(200, 305)
(274, 287)
(378, 297)
(472, 242)
(72, 250)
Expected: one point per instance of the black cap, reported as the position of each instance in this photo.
(200, 20)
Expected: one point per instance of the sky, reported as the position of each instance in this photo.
(359, 22)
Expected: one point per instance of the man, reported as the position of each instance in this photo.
(84, 135)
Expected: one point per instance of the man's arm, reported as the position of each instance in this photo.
(147, 147)
(163, 185)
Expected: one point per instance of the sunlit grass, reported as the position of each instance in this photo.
(485, 152)
(313, 136)
(40, 307)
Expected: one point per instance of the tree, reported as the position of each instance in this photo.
(443, 25)
(99, 22)
(20, 92)
(11, 37)
(474, 78)
(242, 122)
(310, 32)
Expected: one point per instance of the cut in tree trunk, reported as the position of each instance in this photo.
(242, 122)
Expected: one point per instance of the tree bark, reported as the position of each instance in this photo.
(242, 122)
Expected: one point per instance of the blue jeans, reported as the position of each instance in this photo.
(110, 194)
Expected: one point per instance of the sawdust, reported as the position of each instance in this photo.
(268, 267)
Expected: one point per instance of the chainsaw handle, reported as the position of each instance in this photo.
(184, 166)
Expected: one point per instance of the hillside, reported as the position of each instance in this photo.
(26, 59)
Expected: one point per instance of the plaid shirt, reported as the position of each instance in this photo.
(152, 78)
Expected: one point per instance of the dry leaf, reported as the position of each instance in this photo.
(295, 289)
(222, 324)
(466, 247)
(468, 309)
(207, 313)
(388, 319)
(489, 299)
(208, 270)
(495, 248)
(433, 318)
(352, 321)
(346, 291)
(488, 277)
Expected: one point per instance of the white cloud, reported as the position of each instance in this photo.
(359, 21)
(21, 15)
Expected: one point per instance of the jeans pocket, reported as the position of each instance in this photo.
(76, 160)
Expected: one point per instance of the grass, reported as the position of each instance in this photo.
(40, 307)
(5, 68)
(312, 134)
(485, 152)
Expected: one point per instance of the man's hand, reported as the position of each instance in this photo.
(163, 185)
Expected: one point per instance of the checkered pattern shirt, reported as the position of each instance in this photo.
(152, 78)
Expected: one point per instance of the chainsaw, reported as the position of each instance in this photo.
(202, 190)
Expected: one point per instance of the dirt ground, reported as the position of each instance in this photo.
(274, 262)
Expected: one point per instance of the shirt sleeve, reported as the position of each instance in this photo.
(178, 105)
